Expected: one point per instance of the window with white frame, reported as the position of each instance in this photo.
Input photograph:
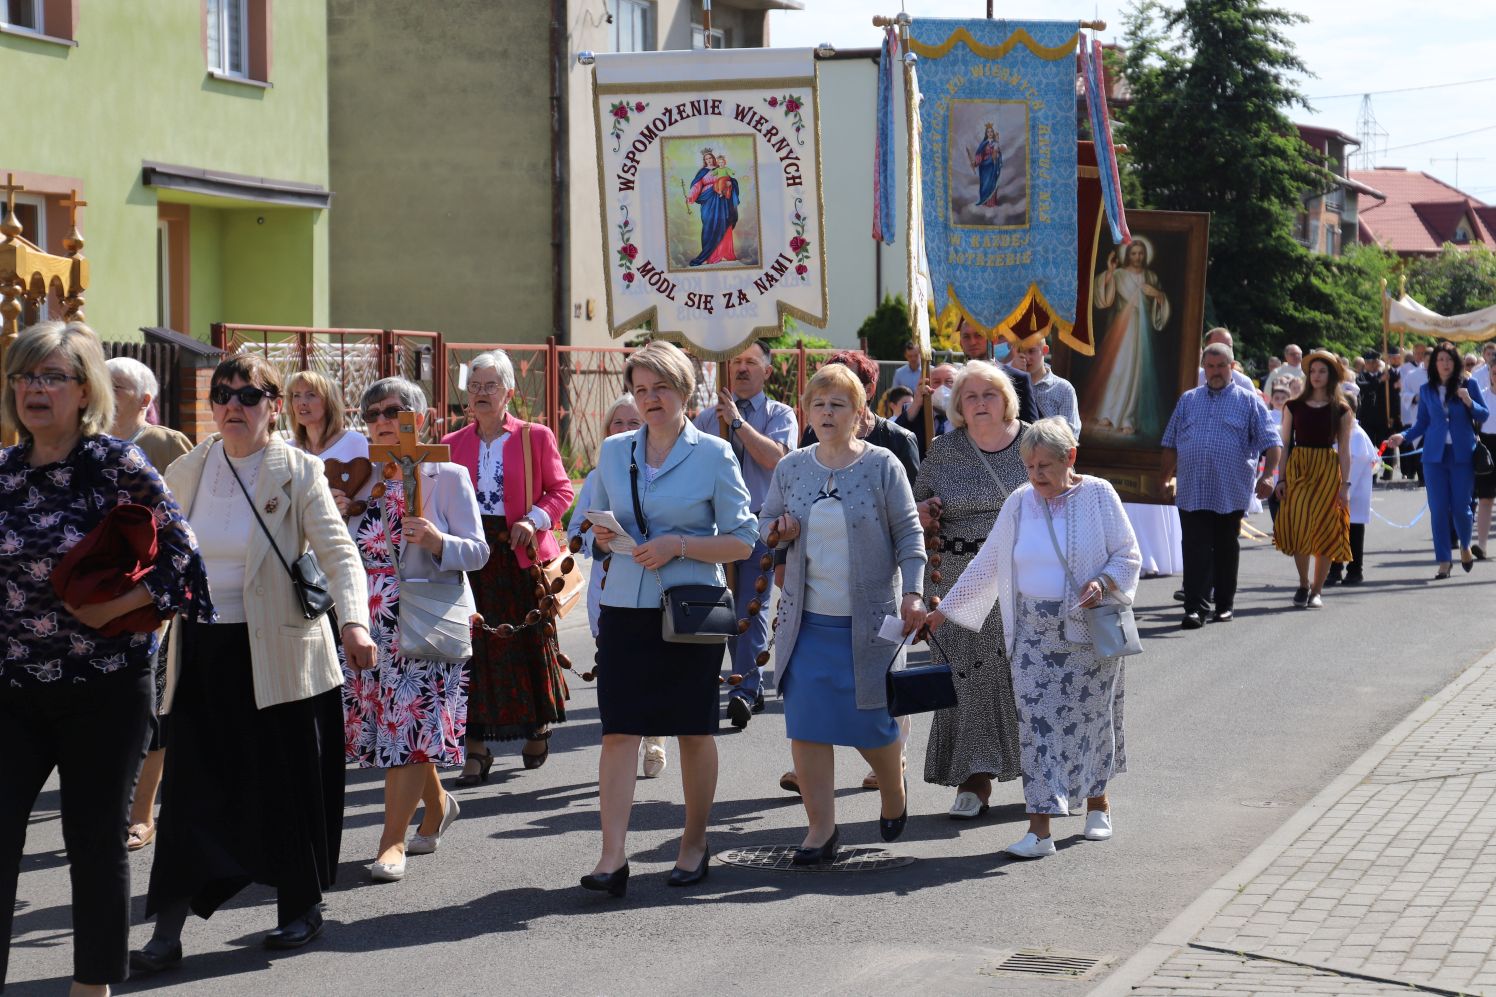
(699, 33)
(23, 14)
(228, 37)
(633, 26)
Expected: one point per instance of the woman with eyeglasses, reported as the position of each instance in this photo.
(407, 715)
(318, 424)
(515, 686)
(253, 788)
(74, 699)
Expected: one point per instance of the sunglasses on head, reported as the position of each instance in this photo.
(249, 396)
(390, 412)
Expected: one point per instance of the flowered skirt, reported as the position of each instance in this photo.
(515, 684)
(1309, 520)
(1069, 712)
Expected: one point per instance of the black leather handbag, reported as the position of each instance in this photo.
(689, 614)
(923, 689)
(1480, 457)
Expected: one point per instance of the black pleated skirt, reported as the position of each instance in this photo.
(248, 795)
(649, 686)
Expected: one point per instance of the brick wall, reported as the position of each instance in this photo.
(194, 414)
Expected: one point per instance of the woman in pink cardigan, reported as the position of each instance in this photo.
(516, 689)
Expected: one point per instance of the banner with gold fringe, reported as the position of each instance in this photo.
(709, 175)
(999, 173)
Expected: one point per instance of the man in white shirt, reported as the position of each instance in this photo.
(1291, 367)
(907, 376)
(1411, 377)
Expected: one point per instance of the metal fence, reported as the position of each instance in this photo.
(161, 358)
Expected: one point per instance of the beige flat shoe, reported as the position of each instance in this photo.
(139, 836)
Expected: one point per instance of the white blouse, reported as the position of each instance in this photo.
(828, 565)
(222, 518)
(491, 483)
(1038, 573)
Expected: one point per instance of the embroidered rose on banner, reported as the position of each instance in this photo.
(620, 114)
(627, 250)
(792, 104)
(799, 245)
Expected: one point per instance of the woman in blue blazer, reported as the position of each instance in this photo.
(1449, 410)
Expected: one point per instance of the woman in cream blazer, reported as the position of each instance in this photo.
(253, 788)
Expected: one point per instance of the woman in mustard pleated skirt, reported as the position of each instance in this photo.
(1314, 523)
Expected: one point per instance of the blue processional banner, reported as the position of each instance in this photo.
(999, 174)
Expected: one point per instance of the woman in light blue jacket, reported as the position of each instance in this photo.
(695, 518)
(1450, 409)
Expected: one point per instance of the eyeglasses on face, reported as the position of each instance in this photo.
(249, 396)
(390, 412)
(51, 380)
(485, 387)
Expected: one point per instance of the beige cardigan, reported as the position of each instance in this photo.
(293, 658)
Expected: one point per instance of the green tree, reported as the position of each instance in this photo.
(1207, 129)
(1454, 282)
(887, 329)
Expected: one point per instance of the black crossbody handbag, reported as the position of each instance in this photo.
(922, 689)
(308, 580)
(690, 614)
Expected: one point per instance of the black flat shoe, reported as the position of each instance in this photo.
(823, 853)
(690, 877)
(155, 958)
(1441, 576)
(891, 829)
(1478, 551)
(1222, 616)
(1192, 621)
(739, 711)
(297, 933)
(615, 883)
(485, 762)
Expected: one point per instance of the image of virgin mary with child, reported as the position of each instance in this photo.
(714, 190)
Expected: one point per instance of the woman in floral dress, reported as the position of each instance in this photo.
(404, 715)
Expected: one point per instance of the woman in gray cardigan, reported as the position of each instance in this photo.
(829, 658)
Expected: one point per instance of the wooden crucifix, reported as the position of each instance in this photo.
(72, 203)
(408, 453)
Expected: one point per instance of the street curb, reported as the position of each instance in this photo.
(1178, 932)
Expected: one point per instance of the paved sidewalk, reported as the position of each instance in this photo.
(1386, 881)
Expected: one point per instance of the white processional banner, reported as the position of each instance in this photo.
(709, 173)
(1406, 315)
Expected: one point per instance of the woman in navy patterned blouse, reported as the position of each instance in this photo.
(72, 699)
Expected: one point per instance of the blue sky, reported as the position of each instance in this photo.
(1351, 47)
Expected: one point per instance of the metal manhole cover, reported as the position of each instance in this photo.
(850, 859)
(1051, 963)
(1266, 804)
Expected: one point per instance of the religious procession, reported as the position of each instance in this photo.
(690, 397)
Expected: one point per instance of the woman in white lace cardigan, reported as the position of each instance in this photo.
(1069, 700)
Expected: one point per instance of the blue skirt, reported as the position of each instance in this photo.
(820, 692)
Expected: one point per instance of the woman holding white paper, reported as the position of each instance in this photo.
(829, 657)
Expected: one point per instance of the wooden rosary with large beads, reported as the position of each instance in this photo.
(547, 606)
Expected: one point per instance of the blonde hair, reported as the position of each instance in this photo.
(332, 407)
(81, 347)
(665, 360)
(618, 403)
(835, 377)
(991, 374)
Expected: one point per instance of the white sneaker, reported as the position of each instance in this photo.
(1031, 846)
(968, 806)
(1315, 602)
(655, 760)
(1098, 825)
(387, 872)
(425, 844)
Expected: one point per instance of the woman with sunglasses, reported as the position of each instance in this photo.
(515, 686)
(74, 699)
(253, 788)
(407, 715)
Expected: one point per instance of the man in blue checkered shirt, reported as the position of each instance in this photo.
(1213, 441)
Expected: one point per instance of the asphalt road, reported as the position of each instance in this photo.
(1229, 729)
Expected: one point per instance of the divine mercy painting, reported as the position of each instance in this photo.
(711, 202)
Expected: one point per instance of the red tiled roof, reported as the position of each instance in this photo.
(1420, 213)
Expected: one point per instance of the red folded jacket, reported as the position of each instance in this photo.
(113, 559)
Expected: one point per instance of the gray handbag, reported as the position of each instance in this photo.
(1114, 632)
(435, 617)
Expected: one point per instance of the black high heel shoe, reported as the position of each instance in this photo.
(485, 762)
(155, 957)
(690, 877)
(615, 883)
(891, 829)
(822, 853)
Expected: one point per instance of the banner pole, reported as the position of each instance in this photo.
(1386, 375)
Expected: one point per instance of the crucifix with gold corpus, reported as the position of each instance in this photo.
(408, 453)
